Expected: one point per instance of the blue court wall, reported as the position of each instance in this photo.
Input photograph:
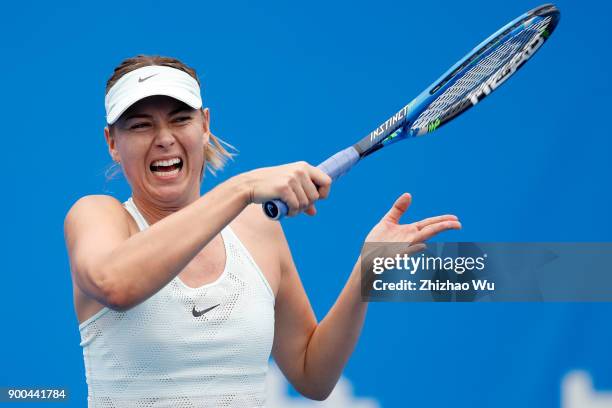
(287, 82)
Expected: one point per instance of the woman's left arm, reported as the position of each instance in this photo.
(312, 355)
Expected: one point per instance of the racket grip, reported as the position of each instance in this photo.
(334, 167)
(340, 163)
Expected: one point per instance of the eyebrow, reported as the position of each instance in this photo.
(144, 115)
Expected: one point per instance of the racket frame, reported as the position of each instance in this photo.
(399, 126)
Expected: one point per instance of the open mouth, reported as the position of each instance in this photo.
(166, 168)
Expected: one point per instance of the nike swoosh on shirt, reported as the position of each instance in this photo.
(145, 78)
(198, 313)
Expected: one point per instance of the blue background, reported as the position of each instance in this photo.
(288, 82)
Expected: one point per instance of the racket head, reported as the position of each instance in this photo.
(470, 80)
(485, 68)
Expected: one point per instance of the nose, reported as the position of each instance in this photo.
(164, 137)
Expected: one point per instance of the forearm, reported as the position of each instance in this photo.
(335, 337)
(147, 261)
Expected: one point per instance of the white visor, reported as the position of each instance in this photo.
(148, 81)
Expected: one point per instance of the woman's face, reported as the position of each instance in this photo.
(159, 142)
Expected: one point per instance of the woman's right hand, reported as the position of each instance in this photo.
(298, 184)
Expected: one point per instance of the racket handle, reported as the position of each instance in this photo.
(340, 163)
(334, 167)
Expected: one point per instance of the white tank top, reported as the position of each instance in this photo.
(183, 346)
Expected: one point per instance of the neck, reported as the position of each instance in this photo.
(153, 211)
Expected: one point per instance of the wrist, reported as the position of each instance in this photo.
(242, 185)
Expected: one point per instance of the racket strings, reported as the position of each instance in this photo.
(478, 74)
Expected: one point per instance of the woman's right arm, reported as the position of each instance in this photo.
(121, 271)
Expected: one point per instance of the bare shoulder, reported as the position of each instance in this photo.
(94, 225)
(95, 208)
(96, 202)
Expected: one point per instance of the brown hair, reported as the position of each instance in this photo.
(215, 153)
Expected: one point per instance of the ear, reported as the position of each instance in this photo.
(206, 124)
(110, 141)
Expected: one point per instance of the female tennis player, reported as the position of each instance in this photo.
(182, 297)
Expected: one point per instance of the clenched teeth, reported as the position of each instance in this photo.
(166, 173)
(170, 162)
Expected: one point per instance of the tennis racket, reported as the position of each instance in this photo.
(465, 84)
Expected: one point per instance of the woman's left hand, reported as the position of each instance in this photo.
(389, 228)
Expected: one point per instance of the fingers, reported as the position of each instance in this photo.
(308, 184)
(311, 210)
(298, 185)
(428, 221)
(311, 184)
(302, 198)
(290, 198)
(434, 229)
(321, 180)
(399, 208)
(309, 188)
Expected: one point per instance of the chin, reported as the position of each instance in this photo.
(173, 194)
